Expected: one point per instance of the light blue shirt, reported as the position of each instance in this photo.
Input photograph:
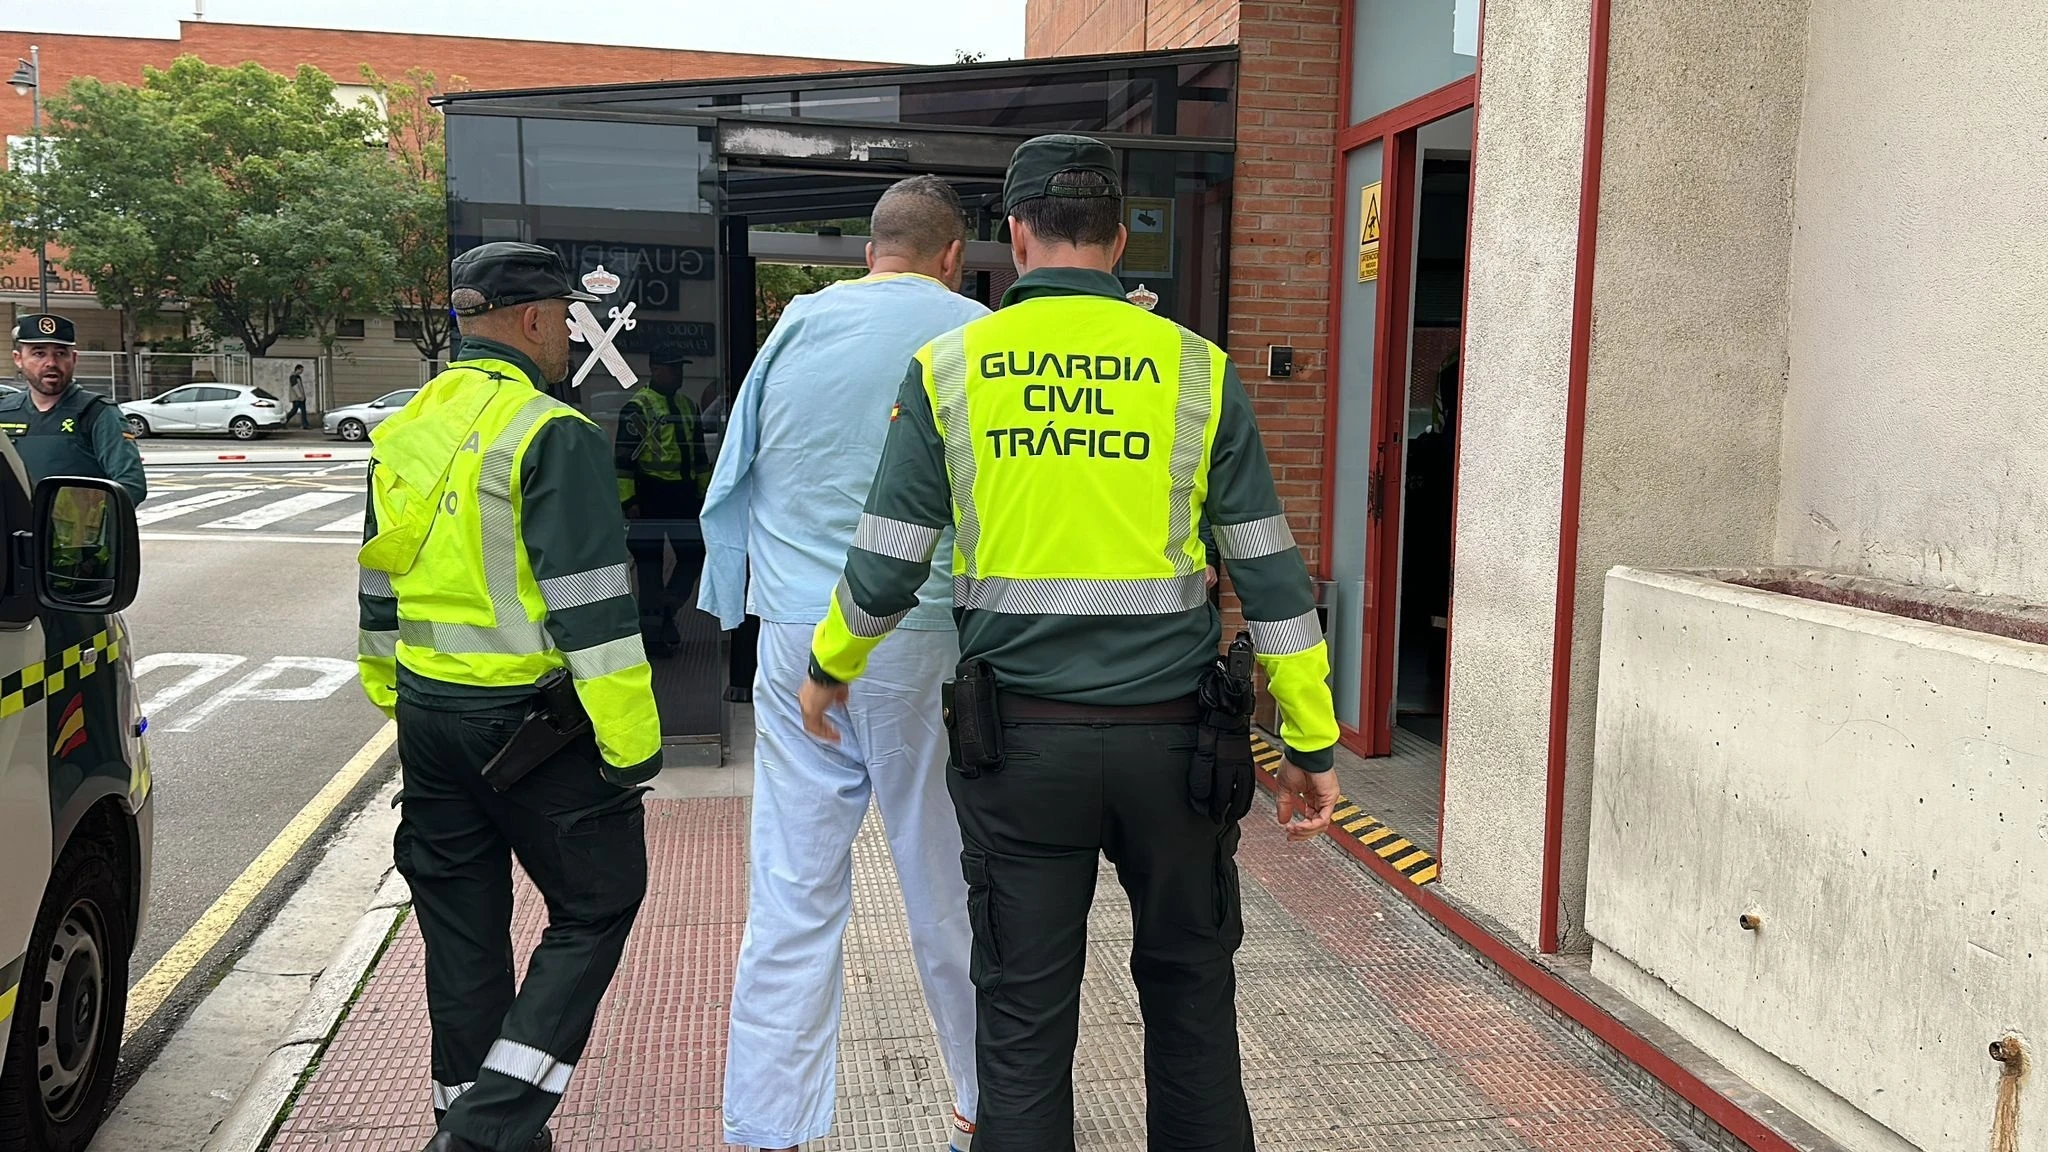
(802, 446)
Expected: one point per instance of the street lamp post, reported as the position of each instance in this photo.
(27, 81)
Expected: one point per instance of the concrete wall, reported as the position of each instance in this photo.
(1687, 368)
(1876, 789)
(1524, 226)
(1914, 422)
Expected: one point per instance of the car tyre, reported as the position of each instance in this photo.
(64, 1043)
(242, 428)
(137, 426)
(353, 430)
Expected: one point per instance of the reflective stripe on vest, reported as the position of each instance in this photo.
(1077, 433)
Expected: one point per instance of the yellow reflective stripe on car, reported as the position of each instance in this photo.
(26, 687)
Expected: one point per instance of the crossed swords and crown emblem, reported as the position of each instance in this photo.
(584, 328)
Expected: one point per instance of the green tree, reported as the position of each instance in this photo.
(417, 218)
(246, 194)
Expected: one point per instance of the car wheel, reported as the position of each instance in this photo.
(65, 1041)
(242, 428)
(137, 426)
(353, 430)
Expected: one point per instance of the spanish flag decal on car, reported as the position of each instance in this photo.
(71, 733)
(895, 410)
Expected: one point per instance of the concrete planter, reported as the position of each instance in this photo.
(1872, 792)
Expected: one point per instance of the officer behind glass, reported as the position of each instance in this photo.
(59, 428)
(1066, 439)
(663, 470)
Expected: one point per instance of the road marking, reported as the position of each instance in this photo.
(353, 522)
(329, 675)
(267, 514)
(156, 985)
(252, 538)
(152, 513)
(206, 668)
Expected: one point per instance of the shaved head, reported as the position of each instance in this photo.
(917, 219)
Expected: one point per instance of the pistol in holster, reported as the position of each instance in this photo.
(974, 722)
(1220, 780)
(553, 721)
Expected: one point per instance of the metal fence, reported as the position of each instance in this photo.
(159, 372)
(105, 373)
(360, 379)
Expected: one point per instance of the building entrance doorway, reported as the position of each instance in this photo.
(1399, 306)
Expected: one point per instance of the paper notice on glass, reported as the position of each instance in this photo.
(1369, 232)
(1149, 252)
(1465, 27)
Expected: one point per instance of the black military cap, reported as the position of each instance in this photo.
(669, 352)
(43, 328)
(1041, 158)
(503, 273)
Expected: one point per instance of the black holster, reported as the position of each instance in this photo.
(1220, 774)
(974, 722)
(554, 721)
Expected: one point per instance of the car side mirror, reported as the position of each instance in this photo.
(87, 553)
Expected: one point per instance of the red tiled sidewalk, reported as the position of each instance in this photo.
(1363, 1027)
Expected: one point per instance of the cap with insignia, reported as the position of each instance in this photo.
(43, 328)
(503, 273)
(1038, 160)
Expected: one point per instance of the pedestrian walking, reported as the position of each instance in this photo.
(493, 583)
(1076, 444)
(297, 390)
(59, 428)
(806, 435)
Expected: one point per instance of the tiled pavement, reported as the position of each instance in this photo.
(1363, 1027)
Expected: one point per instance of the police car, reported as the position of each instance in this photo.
(74, 803)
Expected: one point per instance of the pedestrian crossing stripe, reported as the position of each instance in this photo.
(26, 687)
(1406, 857)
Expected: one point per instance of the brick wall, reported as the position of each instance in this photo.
(1096, 27)
(1280, 236)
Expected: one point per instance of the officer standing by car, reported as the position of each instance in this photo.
(59, 428)
(663, 472)
(1077, 444)
(494, 568)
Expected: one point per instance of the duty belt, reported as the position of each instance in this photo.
(1019, 709)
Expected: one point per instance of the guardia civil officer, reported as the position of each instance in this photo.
(1076, 443)
(495, 556)
(58, 428)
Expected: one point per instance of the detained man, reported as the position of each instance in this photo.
(792, 476)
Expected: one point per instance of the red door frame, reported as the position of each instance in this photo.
(1394, 130)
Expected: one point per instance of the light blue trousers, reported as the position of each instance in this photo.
(809, 801)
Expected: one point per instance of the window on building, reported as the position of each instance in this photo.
(405, 329)
(349, 329)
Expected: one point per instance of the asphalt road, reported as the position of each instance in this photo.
(244, 642)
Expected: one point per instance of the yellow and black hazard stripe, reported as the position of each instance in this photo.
(27, 687)
(1408, 858)
(10, 984)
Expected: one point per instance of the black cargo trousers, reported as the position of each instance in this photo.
(502, 1061)
(1032, 831)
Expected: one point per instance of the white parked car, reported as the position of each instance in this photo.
(240, 410)
(354, 421)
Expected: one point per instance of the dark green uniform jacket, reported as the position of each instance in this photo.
(81, 436)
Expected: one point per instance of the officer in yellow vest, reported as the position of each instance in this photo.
(1076, 444)
(663, 472)
(494, 556)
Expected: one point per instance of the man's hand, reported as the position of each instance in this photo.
(1209, 576)
(1306, 801)
(815, 699)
